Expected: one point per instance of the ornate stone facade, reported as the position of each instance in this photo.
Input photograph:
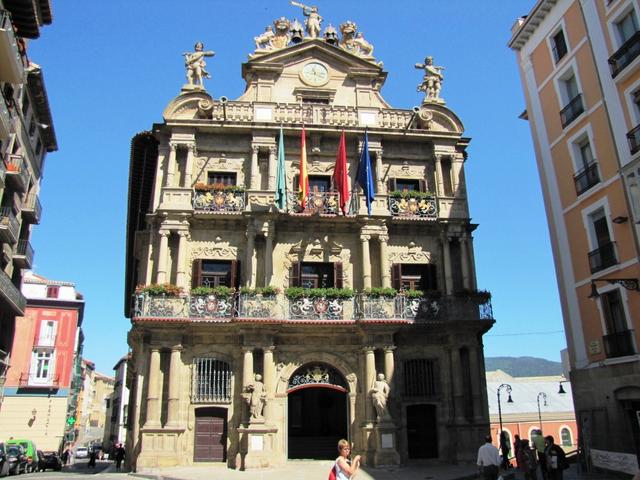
(228, 362)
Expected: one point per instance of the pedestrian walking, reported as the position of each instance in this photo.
(529, 460)
(344, 470)
(119, 456)
(92, 458)
(538, 441)
(504, 449)
(488, 460)
(516, 448)
(556, 459)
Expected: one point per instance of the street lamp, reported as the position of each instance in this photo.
(561, 390)
(544, 396)
(507, 387)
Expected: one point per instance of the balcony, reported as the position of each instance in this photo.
(322, 203)
(45, 339)
(586, 178)
(30, 380)
(279, 308)
(11, 295)
(574, 108)
(219, 200)
(619, 344)
(176, 199)
(420, 206)
(634, 140)
(9, 225)
(625, 54)
(17, 173)
(32, 209)
(3, 171)
(5, 118)
(11, 66)
(603, 257)
(23, 254)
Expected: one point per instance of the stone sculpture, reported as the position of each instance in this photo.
(379, 396)
(194, 63)
(263, 41)
(313, 20)
(255, 396)
(365, 49)
(431, 81)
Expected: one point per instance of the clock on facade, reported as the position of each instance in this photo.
(314, 73)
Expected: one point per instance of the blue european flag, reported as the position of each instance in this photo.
(364, 178)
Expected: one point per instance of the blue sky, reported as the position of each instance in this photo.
(111, 68)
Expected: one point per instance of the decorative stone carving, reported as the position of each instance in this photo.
(410, 257)
(205, 108)
(348, 30)
(313, 20)
(256, 398)
(212, 251)
(263, 41)
(379, 396)
(282, 36)
(431, 81)
(365, 49)
(194, 63)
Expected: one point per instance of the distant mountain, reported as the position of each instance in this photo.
(523, 366)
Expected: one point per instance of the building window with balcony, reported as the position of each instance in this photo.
(53, 291)
(414, 276)
(407, 185)
(604, 255)
(628, 38)
(634, 193)
(211, 381)
(215, 273)
(586, 175)
(571, 98)
(316, 275)
(41, 366)
(47, 335)
(558, 46)
(633, 136)
(421, 377)
(618, 342)
(221, 178)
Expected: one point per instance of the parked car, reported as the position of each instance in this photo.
(17, 459)
(49, 460)
(4, 461)
(82, 452)
(30, 451)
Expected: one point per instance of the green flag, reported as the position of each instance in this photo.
(281, 178)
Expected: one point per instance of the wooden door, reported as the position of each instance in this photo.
(210, 435)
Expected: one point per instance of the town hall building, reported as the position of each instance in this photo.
(300, 266)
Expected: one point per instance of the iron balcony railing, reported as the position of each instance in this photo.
(586, 178)
(625, 54)
(218, 201)
(634, 140)
(572, 111)
(32, 208)
(24, 250)
(9, 225)
(17, 172)
(12, 57)
(11, 295)
(603, 257)
(326, 203)
(416, 207)
(242, 307)
(619, 344)
(30, 380)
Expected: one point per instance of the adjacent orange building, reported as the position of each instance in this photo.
(579, 62)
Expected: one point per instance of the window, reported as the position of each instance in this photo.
(25, 105)
(414, 276)
(53, 291)
(587, 170)
(570, 86)
(318, 183)
(42, 368)
(214, 273)
(603, 256)
(47, 335)
(565, 436)
(211, 381)
(634, 193)
(407, 184)
(626, 27)
(316, 275)
(420, 377)
(221, 178)
(618, 341)
(559, 46)
(32, 127)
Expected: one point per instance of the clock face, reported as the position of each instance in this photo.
(315, 74)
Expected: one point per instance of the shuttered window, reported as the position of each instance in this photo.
(407, 184)
(215, 273)
(211, 381)
(316, 275)
(414, 276)
(421, 377)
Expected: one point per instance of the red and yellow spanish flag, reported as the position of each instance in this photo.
(303, 179)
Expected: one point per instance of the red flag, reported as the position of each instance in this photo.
(340, 177)
(303, 179)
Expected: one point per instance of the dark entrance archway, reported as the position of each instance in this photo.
(317, 412)
(422, 431)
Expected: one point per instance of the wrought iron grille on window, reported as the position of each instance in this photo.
(420, 378)
(211, 381)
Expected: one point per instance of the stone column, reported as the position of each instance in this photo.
(439, 179)
(268, 255)
(188, 168)
(389, 364)
(385, 272)
(456, 171)
(366, 261)
(269, 381)
(250, 257)
(162, 256)
(171, 164)
(472, 263)
(464, 262)
(370, 376)
(255, 170)
(379, 183)
(448, 278)
(476, 385)
(272, 168)
(153, 390)
(458, 389)
(181, 276)
(247, 366)
(173, 409)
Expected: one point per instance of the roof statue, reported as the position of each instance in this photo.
(431, 81)
(194, 63)
(285, 32)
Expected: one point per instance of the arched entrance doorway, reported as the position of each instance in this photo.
(317, 412)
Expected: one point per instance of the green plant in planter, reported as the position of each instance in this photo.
(218, 187)
(217, 291)
(158, 289)
(413, 293)
(268, 291)
(410, 194)
(295, 293)
(380, 292)
(480, 296)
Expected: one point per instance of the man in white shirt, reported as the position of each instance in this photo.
(489, 460)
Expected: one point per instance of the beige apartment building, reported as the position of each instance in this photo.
(580, 63)
(268, 324)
